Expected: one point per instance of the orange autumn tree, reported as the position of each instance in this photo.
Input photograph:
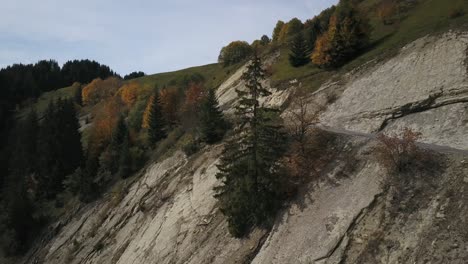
(106, 117)
(386, 10)
(129, 93)
(170, 104)
(323, 46)
(99, 90)
(194, 96)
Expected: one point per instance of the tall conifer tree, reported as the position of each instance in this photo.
(213, 126)
(300, 51)
(156, 124)
(251, 190)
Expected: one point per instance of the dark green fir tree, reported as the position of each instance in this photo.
(156, 124)
(300, 51)
(212, 122)
(251, 192)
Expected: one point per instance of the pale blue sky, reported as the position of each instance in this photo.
(151, 36)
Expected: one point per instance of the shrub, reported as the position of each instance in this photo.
(235, 52)
(138, 158)
(386, 10)
(456, 12)
(400, 153)
(190, 145)
(169, 142)
(99, 246)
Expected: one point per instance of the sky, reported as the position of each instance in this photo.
(139, 35)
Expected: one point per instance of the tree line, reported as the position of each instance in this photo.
(22, 81)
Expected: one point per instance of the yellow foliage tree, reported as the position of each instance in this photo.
(146, 113)
(323, 46)
(170, 105)
(347, 34)
(129, 93)
(99, 89)
(106, 116)
(283, 34)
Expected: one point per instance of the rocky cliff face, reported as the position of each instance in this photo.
(169, 215)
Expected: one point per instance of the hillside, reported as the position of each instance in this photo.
(169, 213)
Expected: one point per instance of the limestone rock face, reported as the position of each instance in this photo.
(168, 213)
(407, 90)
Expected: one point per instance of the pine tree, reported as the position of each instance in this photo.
(78, 97)
(300, 51)
(24, 156)
(156, 124)
(19, 206)
(119, 149)
(47, 148)
(69, 137)
(251, 190)
(212, 123)
(59, 146)
(88, 187)
(124, 159)
(109, 161)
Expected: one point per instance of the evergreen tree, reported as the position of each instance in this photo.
(88, 187)
(26, 145)
(109, 161)
(119, 147)
(300, 51)
(22, 166)
(312, 31)
(265, 40)
(251, 190)
(124, 159)
(47, 149)
(69, 137)
(156, 124)
(78, 94)
(119, 133)
(59, 146)
(20, 210)
(212, 123)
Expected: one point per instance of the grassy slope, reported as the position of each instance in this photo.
(428, 17)
(214, 75)
(44, 100)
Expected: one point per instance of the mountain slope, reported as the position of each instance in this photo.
(169, 214)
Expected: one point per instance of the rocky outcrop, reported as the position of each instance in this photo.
(428, 74)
